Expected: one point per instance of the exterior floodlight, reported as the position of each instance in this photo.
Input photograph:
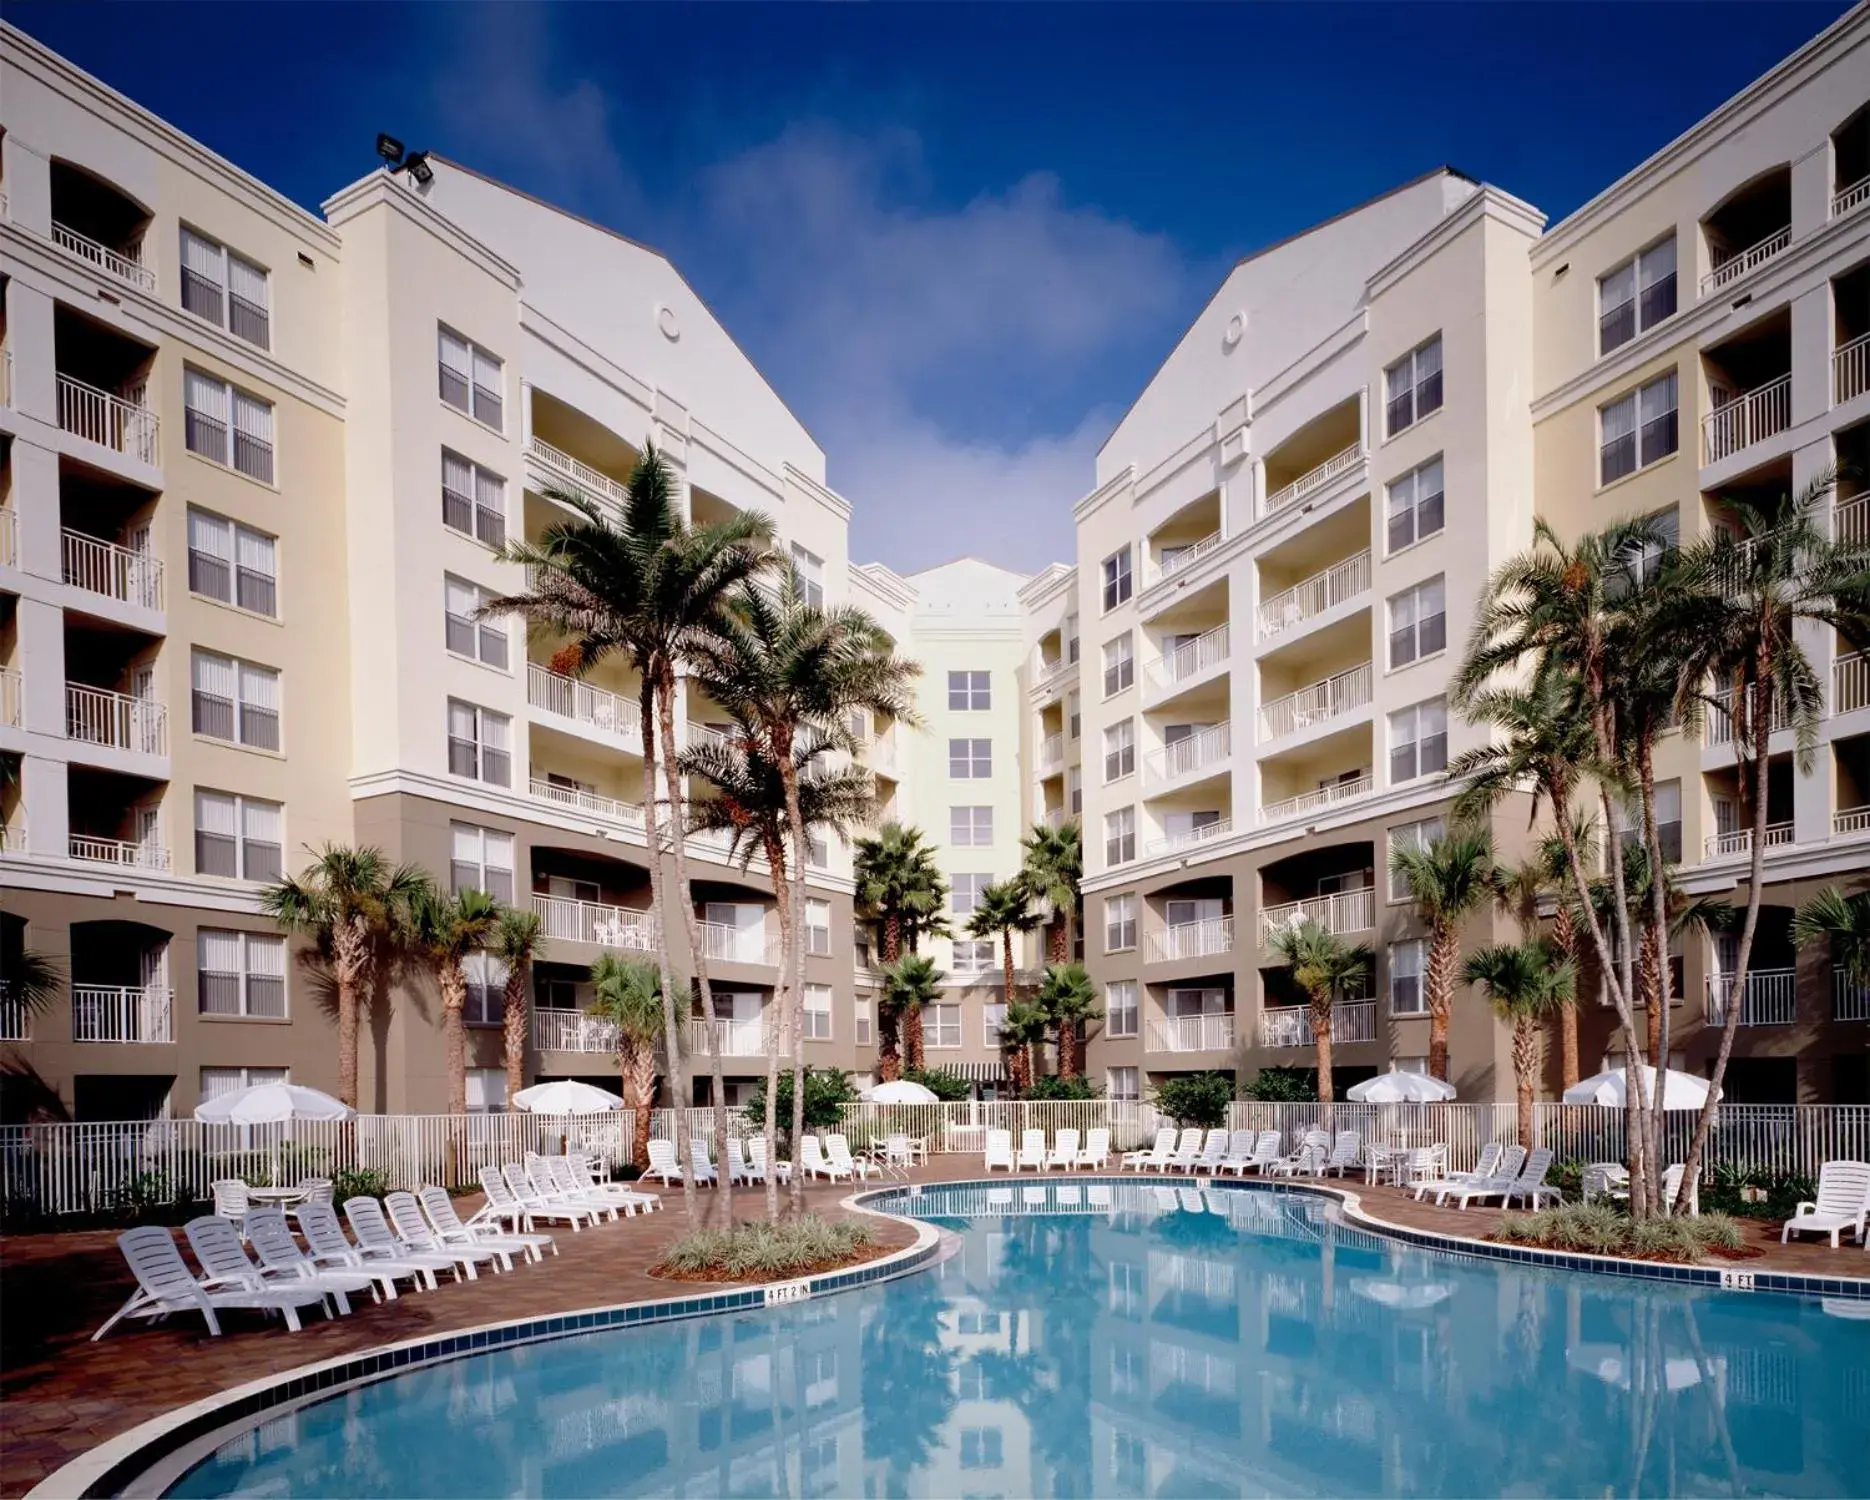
(389, 148)
(418, 166)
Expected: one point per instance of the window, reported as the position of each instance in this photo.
(992, 1019)
(207, 404)
(1418, 622)
(817, 927)
(1119, 923)
(817, 851)
(486, 989)
(472, 380)
(1120, 836)
(1415, 505)
(1637, 429)
(1121, 1083)
(969, 692)
(473, 500)
(865, 1035)
(241, 974)
(235, 701)
(1120, 1008)
(1413, 385)
(1412, 836)
(238, 838)
(1119, 750)
(966, 893)
(981, 1448)
(478, 741)
(1071, 640)
(1414, 1063)
(1116, 579)
(1668, 820)
(811, 571)
(1129, 1289)
(1636, 296)
(1418, 740)
(970, 760)
(481, 859)
(232, 563)
(482, 640)
(1074, 711)
(970, 827)
(215, 1082)
(224, 288)
(973, 955)
(1406, 998)
(1119, 665)
(817, 1012)
(486, 1091)
(941, 1025)
(1074, 791)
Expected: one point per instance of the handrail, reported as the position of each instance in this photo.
(122, 1013)
(99, 716)
(580, 800)
(1740, 840)
(1218, 829)
(594, 922)
(1311, 597)
(594, 482)
(1211, 1033)
(1186, 557)
(109, 420)
(1750, 417)
(124, 266)
(584, 704)
(11, 697)
(1190, 658)
(1850, 370)
(1052, 752)
(1850, 682)
(1340, 912)
(572, 1031)
(1718, 727)
(1291, 1025)
(1317, 702)
(1204, 748)
(100, 567)
(1771, 998)
(1315, 801)
(1847, 198)
(733, 945)
(733, 1038)
(1344, 460)
(1849, 820)
(1850, 1000)
(1198, 939)
(144, 856)
(1737, 263)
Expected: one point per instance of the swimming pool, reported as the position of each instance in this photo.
(1135, 1340)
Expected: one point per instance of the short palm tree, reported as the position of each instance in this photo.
(628, 994)
(900, 888)
(29, 982)
(1051, 871)
(1069, 1001)
(1524, 982)
(1842, 923)
(1023, 1031)
(446, 931)
(517, 942)
(910, 983)
(1000, 910)
(352, 904)
(1450, 877)
(1324, 966)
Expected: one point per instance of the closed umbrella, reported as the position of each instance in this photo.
(900, 1091)
(1396, 1087)
(566, 1097)
(1679, 1090)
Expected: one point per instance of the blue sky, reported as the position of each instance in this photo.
(958, 239)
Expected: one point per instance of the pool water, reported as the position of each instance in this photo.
(1129, 1340)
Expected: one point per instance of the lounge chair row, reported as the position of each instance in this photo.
(830, 1159)
(1242, 1151)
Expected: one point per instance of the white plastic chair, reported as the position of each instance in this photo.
(365, 1216)
(1096, 1152)
(1064, 1152)
(843, 1163)
(1531, 1184)
(413, 1230)
(813, 1161)
(1163, 1150)
(1496, 1186)
(1484, 1170)
(1187, 1152)
(1344, 1153)
(230, 1199)
(1213, 1153)
(999, 1152)
(318, 1222)
(281, 1259)
(439, 1209)
(663, 1163)
(220, 1253)
(1032, 1150)
(756, 1151)
(165, 1285)
(1841, 1207)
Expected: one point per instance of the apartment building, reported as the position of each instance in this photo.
(1241, 685)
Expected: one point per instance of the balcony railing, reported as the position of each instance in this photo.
(591, 922)
(1850, 1001)
(13, 839)
(1052, 753)
(572, 1031)
(15, 1018)
(1053, 677)
(98, 716)
(6, 375)
(578, 799)
(1345, 911)
(1850, 370)
(1850, 820)
(100, 567)
(736, 1038)
(1190, 659)
(146, 855)
(1771, 998)
(607, 492)
(1740, 840)
(1178, 558)
(1317, 703)
(1339, 463)
(1192, 1034)
(1731, 265)
(1746, 418)
(128, 427)
(1850, 683)
(9, 539)
(10, 696)
(1192, 940)
(1205, 748)
(1718, 728)
(1291, 1025)
(1191, 838)
(584, 704)
(1854, 196)
(1312, 596)
(122, 1013)
(125, 265)
(734, 945)
(1851, 520)
(1307, 803)
(880, 755)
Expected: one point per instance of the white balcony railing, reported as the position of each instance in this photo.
(9, 539)
(149, 854)
(1343, 912)
(1178, 558)
(98, 716)
(592, 922)
(578, 799)
(15, 1018)
(125, 265)
(1192, 940)
(1731, 265)
(100, 567)
(735, 945)
(597, 486)
(1192, 1034)
(1850, 1001)
(1718, 727)
(1850, 683)
(10, 698)
(1053, 676)
(1189, 660)
(1317, 703)
(735, 1038)
(1307, 803)
(1291, 1025)
(1052, 753)
(122, 1013)
(1771, 998)
(1740, 840)
(1854, 196)
(880, 755)
(13, 838)
(1200, 750)
(1191, 838)
(1850, 820)
(582, 703)
(6, 377)
(128, 427)
(1341, 462)
(572, 1031)
(1850, 522)
(1311, 597)
(1746, 418)
(1850, 370)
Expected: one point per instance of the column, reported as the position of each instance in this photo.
(1813, 790)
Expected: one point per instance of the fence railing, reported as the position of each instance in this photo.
(1316, 801)
(597, 485)
(1850, 820)
(9, 535)
(579, 799)
(572, 1031)
(147, 854)
(1192, 1034)
(1316, 703)
(129, 427)
(584, 704)
(592, 922)
(1850, 1000)
(98, 716)
(734, 945)
(1850, 370)
(1204, 748)
(1291, 1025)
(100, 567)
(122, 1013)
(1847, 198)
(733, 1038)
(1312, 596)
(1177, 558)
(1747, 419)
(1052, 752)
(1719, 727)
(125, 265)
(1192, 940)
(1191, 838)
(1731, 265)
(1740, 840)
(1346, 911)
(1189, 659)
(11, 697)
(1771, 999)
(1344, 460)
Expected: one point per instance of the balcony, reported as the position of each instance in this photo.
(1200, 751)
(572, 1031)
(1850, 370)
(1192, 1034)
(122, 1013)
(1192, 940)
(1193, 838)
(1313, 596)
(9, 539)
(579, 799)
(147, 855)
(1054, 677)
(15, 1019)
(1854, 196)
(1740, 841)
(1741, 419)
(1341, 912)
(1307, 803)
(1851, 520)
(97, 716)
(737, 945)
(1731, 265)
(1188, 660)
(1052, 754)
(125, 264)
(1291, 1025)
(603, 491)
(1852, 820)
(100, 567)
(592, 922)
(1850, 683)
(1771, 998)
(595, 707)
(735, 1038)
(1850, 1001)
(1718, 729)
(119, 423)
(1313, 480)
(1179, 558)
(1318, 703)
(10, 697)
(880, 756)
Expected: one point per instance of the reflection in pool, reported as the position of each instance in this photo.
(1129, 1340)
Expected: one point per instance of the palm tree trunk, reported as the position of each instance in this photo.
(1565, 937)
(513, 1025)
(1321, 1040)
(1636, 1100)
(659, 900)
(636, 1065)
(1656, 955)
(454, 1034)
(1525, 1069)
(1443, 952)
(794, 957)
(351, 940)
(889, 1043)
(1058, 939)
(776, 862)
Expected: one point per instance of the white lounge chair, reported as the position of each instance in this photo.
(1187, 1153)
(223, 1257)
(281, 1259)
(373, 1235)
(1311, 1152)
(737, 1168)
(1531, 1184)
(414, 1231)
(556, 1179)
(539, 1205)
(1345, 1152)
(318, 1222)
(1032, 1150)
(1064, 1152)
(1162, 1151)
(1421, 1168)
(1213, 1153)
(1096, 1151)
(1841, 1207)
(701, 1165)
(1484, 1170)
(1512, 1161)
(663, 1163)
(165, 1285)
(756, 1160)
(843, 1163)
(631, 1200)
(999, 1152)
(1261, 1154)
(1239, 1151)
(813, 1161)
(439, 1209)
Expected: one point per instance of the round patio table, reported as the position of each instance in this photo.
(279, 1195)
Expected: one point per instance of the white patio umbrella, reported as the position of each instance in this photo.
(272, 1104)
(1614, 1367)
(1679, 1090)
(566, 1097)
(900, 1091)
(1404, 1296)
(1396, 1087)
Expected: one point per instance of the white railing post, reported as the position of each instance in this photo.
(110, 421)
(1850, 370)
(1747, 419)
(1344, 460)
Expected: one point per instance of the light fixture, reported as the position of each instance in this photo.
(416, 163)
(389, 148)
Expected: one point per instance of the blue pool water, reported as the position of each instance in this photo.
(1166, 1343)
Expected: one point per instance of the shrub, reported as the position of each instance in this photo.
(1196, 1100)
(1053, 1087)
(763, 1249)
(827, 1091)
(1751, 1193)
(1282, 1086)
(358, 1182)
(1603, 1229)
(944, 1085)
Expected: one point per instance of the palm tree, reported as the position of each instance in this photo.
(1069, 1000)
(1023, 1030)
(1051, 871)
(1000, 910)
(446, 930)
(901, 891)
(629, 996)
(1525, 982)
(352, 903)
(516, 943)
(29, 982)
(1840, 922)
(1323, 965)
(910, 983)
(1450, 878)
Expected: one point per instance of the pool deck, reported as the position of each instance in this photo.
(61, 1395)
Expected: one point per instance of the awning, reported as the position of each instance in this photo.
(973, 1072)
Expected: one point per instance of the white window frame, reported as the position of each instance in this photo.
(238, 551)
(1120, 923)
(249, 716)
(1122, 1083)
(483, 641)
(972, 882)
(1410, 722)
(1644, 278)
(482, 505)
(1416, 952)
(488, 727)
(971, 826)
(1409, 496)
(1119, 750)
(1417, 835)
(941, 1027)
(1119, 665)
(817, 927)
(970, 759)
(970, 692)
(486, 981)
(476, 852)
(1120, 1000)
(817, 1023)
(811, 570)
(478, 399)
(1650, 427)
(260, 958)
(864, 1024)
(242, 812)
(213, 266)
(1418, 622)
(992, 1021)
(238, 1078)
(1119, 836)
(974, 955)
(1423, 386)
(229, 427)
(1119, 578)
